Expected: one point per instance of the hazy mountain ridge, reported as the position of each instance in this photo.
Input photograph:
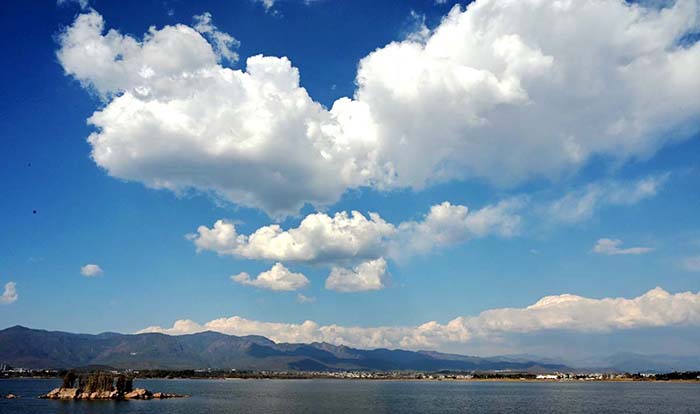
(31, 348)
(658, 363)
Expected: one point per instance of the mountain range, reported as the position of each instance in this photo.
(38, 349)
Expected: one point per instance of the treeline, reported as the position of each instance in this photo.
(687, 375)
(98, 381)
(189, 373)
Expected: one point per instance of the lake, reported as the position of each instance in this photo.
(347, 396)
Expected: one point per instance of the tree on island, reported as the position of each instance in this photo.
(69, 379)
(124, 384)
(98, 381)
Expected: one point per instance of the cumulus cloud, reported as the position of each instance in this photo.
(612, 247)
(581, 204)
(370, 275)
(437, 106)
(318, 238)
(10, 294)
(277, 278)
(91, 270)
(310, 331)
(348, 238)
(655, 308)
(351, 236)
(448, 224)
(488, 79)
(255, 137)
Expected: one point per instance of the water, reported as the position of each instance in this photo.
(346, 396)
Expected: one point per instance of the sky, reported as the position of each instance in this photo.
(500, 177)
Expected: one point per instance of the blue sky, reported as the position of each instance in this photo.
(542, 136)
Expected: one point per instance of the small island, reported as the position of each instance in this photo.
(102, 386)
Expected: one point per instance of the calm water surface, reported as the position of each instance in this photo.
(339, 396)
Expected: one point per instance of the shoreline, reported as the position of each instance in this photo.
(476, 380)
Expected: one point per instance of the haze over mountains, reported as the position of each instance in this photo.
(32, 348)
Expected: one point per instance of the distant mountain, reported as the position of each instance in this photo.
(658, 363)
(31, 348)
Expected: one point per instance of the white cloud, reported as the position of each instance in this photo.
(552, 92)
(691, 263)
(319, 238)
(420, 32)
(354, 237)
(612, 247)
(582, 204)
(355, 245)
(305, 299)
(349, 238)
(370, 275)
(277, 278)
(255, 137)
(91, 270)
(222, 42)
(447, 224)
(82, 3)
(10, 294)
(267, 4)
(489, 79)
(655, 308)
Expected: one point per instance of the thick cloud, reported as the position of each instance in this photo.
(176, 119)
(277, 278)
(91, 270)
(612, 247)
(10, 294)
(503, 90)
(351, 237)
(508, 90)
(370, 275)
(656, 308)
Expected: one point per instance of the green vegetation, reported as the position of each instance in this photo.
(69, 379)
(98, 382)
(674, 376)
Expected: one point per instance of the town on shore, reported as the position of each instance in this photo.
(9, 372)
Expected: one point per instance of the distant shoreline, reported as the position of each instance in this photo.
(311, 378)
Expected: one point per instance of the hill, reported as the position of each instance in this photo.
(32, 348)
